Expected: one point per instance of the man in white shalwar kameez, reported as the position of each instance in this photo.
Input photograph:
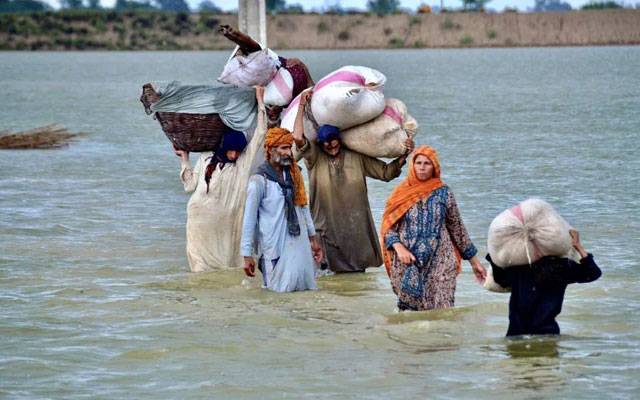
(277, 217)
(218, 183)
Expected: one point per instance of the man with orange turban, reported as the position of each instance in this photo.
(277, 215)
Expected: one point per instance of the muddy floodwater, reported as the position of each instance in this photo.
(97, 302)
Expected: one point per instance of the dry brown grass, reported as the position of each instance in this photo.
(46, 137)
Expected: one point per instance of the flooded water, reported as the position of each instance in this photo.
(97, 302)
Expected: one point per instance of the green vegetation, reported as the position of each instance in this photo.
(280, 6)
(466, 40)
(108, 30)
(323, 27)
(78, 29)
(601, 5)
(21, 6)
(396, 42)
(551, 5)
(383, 7)
(415, 20)
(474, 5)
(448, 24)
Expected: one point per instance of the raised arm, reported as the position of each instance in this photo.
(188, 176)
(378, 169)
(257, 141)
(308, 150)
(585, 271)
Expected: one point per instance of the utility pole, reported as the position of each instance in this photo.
(252, 20)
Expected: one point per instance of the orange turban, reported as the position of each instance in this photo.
(406, 194)
(279, 136)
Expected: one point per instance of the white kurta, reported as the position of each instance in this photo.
(287, 261)
(214, 219)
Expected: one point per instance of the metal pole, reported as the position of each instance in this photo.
(252, 19)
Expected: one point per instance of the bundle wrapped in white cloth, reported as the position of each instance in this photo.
(527, 232)
(385, 135)
(347, 97)
(255, 69)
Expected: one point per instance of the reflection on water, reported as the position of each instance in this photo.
(97, 301)
(533, 347)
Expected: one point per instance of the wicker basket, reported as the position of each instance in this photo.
(189, 132)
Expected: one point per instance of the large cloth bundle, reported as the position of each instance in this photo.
(347, 97)
(385, 135)
(195, 117)
(257, 68)
(527, 232)
(279, 91)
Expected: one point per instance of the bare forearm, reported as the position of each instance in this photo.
(298, 128)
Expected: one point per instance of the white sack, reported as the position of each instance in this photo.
(279, 91)
(385, 135)
(346, 97)
(527, 232)
(258, 68)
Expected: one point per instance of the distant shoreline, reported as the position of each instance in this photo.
(107, 30)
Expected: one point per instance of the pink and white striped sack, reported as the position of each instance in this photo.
(279, 91)
(347, 97)
(385, 135)
(527, 232)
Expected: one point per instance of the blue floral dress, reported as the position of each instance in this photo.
(432, 231)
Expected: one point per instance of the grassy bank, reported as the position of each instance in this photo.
(108, 30)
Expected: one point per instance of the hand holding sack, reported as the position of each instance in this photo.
(527, 232)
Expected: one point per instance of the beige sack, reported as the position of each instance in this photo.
(385, 135)
(527, 232)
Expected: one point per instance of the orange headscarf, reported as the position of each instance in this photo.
(276, 137)
(407, 194)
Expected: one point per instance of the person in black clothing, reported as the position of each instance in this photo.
(537, 290)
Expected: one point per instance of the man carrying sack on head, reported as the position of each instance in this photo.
(277, 217)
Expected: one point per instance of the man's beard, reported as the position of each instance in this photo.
(284, 161)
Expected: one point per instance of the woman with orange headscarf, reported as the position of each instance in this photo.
(424, 238)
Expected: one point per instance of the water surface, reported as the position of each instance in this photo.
(97, 302)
